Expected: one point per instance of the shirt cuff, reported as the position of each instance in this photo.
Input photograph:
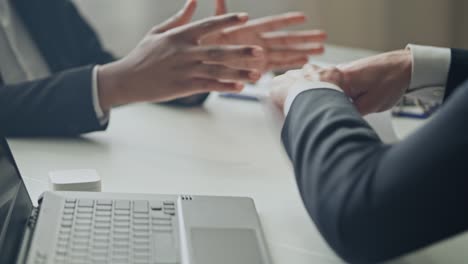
(102, 117)
(430, 70)
(303, 85)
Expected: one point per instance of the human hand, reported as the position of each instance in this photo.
(283, 50)
(377, 83)
(172, 64)
(282, 85)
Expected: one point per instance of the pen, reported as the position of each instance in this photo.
(239, 96)
(411, 115)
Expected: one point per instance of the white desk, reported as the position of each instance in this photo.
(225, 148)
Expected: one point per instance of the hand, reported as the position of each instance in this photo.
(284, 50)
(282, 85)
(172, 64)
(377, 83)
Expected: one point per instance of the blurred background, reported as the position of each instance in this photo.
(370, 24)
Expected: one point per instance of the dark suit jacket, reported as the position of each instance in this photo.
(372, 201)
(61, 104)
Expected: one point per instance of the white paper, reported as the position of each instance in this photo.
(383, 125)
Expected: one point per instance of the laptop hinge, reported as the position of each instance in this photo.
(27, 236)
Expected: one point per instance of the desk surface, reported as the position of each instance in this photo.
(228, 147)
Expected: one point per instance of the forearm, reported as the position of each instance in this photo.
(372, 201)
(111, 88)
(60, 105)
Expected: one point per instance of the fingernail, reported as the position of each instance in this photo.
(239, 86)
(321, 48)
(257, 52)
(254, 75)
(243, 16)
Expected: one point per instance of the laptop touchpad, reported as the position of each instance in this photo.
(221, 230)
(227, 246)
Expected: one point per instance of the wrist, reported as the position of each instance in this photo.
(334, 76)
(109, 86)
(407, 66)
(395, 65)
(402, 62)
(350, 75)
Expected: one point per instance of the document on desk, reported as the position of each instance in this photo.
(254, 92)
(383, 125)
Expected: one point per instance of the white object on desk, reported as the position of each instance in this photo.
(75, 180)
(383, 125)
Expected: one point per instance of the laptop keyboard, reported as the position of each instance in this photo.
(117, 231)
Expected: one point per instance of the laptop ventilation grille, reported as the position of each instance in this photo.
(186, 198)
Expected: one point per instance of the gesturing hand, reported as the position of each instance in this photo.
(283, 50)
(172, 64)
(377, 83)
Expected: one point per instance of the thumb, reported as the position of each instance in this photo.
(182, 17)
(221, 8)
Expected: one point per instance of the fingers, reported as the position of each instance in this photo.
(200, 85)
(310, 72)
(250, 64)
(183, 17)
(197, 30)
(282, 54)
(273, 23)
(293, 38)
(225, 53)
(287, 64)
(220, 72)
(221, 8)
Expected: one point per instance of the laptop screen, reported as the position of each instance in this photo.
(15, 206)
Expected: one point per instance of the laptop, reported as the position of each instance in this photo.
(81, 227)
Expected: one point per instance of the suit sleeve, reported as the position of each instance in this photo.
(458, 70)
(60, 105)
(373, 202)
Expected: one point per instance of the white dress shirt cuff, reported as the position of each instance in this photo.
(102, 117)
(430, 70)
(303, 85)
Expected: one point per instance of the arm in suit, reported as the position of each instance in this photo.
(372, 201)
(61, 105)
(458, 70)
(88, 50)
(66, 40)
